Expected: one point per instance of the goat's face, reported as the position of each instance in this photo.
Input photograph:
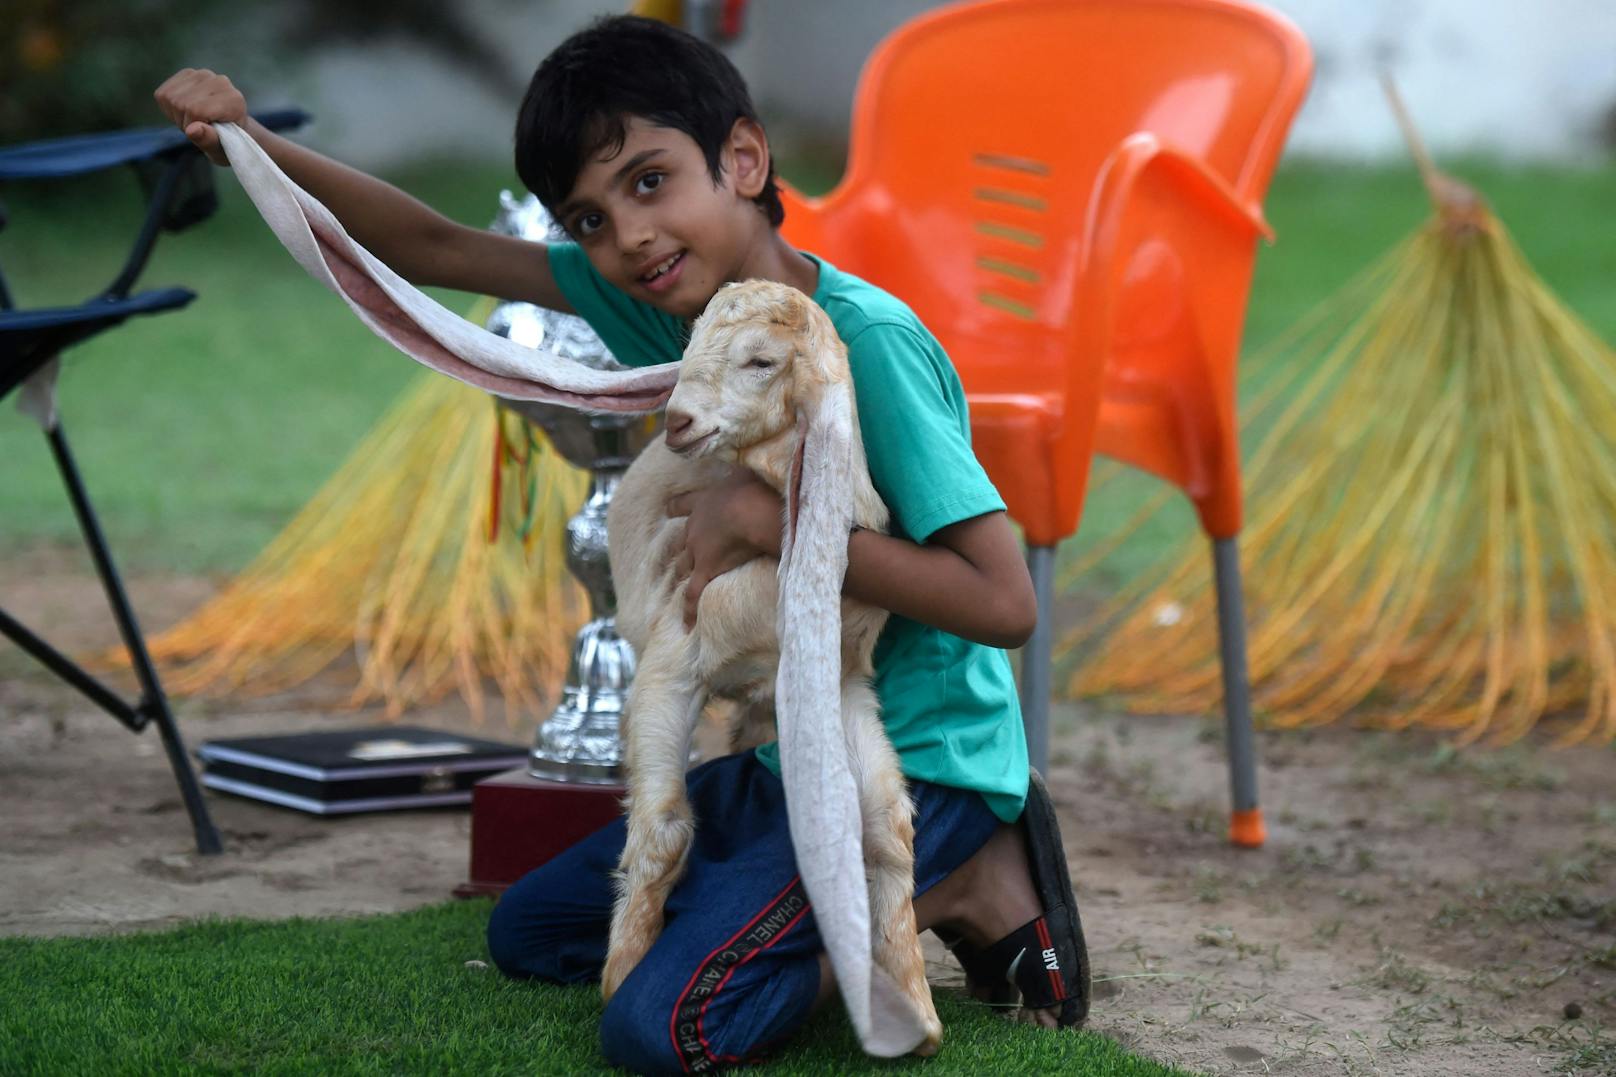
(759, 352)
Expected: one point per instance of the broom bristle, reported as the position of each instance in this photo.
(1429, 537)
(393, 560)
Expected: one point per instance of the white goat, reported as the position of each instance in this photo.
(759, 362)
(767, 378)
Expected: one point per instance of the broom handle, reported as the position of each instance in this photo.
(1416, 145)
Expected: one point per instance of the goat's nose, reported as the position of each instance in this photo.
(678, 422)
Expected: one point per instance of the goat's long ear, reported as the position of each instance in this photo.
(821, 360)
(827, 427)
(821, 473)
(825, 820)
(821, 385)
(820, 505)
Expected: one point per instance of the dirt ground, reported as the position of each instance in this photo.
(1415, 911)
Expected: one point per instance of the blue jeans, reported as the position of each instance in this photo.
(736, 968)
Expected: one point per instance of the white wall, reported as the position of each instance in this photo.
(1516, 78)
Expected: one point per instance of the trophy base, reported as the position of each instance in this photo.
(519, 821)
(549, 770)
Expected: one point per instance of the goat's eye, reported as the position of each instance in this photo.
(757, 362)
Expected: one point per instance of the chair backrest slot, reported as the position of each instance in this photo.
(1013, 235)
(1010, 198)
(1026, 165)
(1010, 269)
(1008, 305)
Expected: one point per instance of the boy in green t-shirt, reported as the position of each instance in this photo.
(644, 144)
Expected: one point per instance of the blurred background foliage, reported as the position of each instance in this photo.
(67, 65)
(70, 66)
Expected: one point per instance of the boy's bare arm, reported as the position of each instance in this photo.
(414, 240)
(417, 242)
(969, 579)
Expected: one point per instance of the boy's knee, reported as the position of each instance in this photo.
(505, 942)
(524, 942)
(544, 928)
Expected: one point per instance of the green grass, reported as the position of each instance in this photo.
(392, 994)
(201, 432)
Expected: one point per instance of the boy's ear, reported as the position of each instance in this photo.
(749, 157)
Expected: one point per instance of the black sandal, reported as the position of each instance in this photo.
(1044, 962)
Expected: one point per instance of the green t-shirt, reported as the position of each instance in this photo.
(949, 705)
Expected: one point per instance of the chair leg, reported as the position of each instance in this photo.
(154, 704)
(69, 671)
(1246, 822)
(1035, 658)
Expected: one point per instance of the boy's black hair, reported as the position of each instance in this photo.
(622, 66)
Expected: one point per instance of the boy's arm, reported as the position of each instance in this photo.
(414, 240)
(969, 579)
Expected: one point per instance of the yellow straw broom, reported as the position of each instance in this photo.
(1431, 536)
(410, 557)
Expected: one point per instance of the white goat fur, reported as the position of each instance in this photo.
(761, 359)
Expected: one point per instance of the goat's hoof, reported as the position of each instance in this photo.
(933, 1040)
(929, 1021)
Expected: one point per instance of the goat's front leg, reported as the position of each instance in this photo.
(889, 853)
(663, 707)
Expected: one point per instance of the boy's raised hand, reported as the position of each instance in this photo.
(197, 99)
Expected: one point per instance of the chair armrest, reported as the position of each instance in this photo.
(77, 155)
(1148, 192)
(1203, 188)
(1168, 262)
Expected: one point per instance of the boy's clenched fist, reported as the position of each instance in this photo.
(197, 99)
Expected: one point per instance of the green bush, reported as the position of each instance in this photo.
(90, 65)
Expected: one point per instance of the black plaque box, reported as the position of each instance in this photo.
(355, 770)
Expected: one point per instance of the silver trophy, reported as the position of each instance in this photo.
(580, 742)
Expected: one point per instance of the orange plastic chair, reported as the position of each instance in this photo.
(1067, 192)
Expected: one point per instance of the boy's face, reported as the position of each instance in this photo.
(653, 222)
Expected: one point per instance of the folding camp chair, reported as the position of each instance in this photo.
(178, 182)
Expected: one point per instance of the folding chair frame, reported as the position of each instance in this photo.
(180, 193)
